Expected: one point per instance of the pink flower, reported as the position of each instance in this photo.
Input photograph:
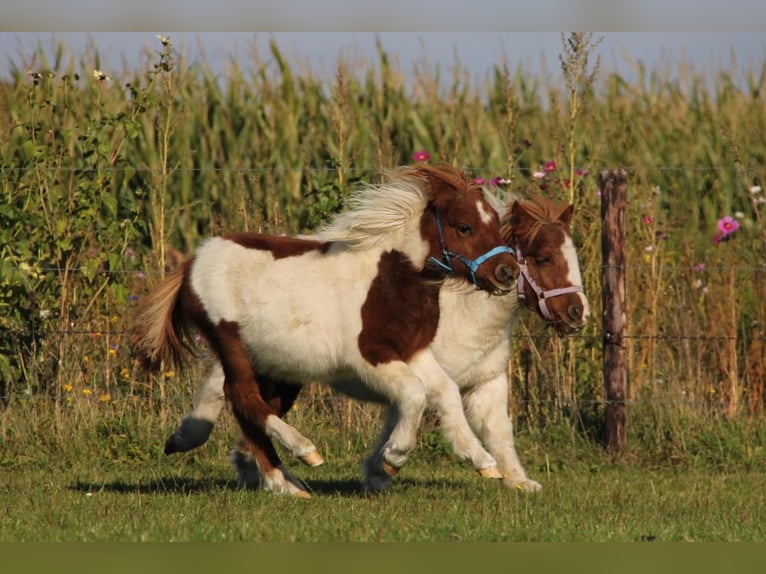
(581, 173)
(479, 180)
(549, 167)
(728, 225)
(646, 220)
(538, 174)
(697, 267)
(421, 156)
(496, 181)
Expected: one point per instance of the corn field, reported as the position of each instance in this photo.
(107, 180)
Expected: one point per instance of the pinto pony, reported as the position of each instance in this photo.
(472, 344)
(358, 301)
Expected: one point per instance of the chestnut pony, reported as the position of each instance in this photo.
(358, 301)
(472, 344)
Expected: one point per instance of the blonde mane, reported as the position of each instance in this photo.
(387, 213)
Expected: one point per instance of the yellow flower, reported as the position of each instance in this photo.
(67, 388)
(105, 398)
(111, 352)
(170, 374)
(87, 392)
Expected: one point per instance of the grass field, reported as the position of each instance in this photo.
(101, 476)
(105, 178)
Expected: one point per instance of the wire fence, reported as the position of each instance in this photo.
(592, 337)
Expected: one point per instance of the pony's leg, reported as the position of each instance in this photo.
(196, 426)
(258, 465)
(444, 396)
(376, 476)
(281, 396)
(403, 388)
(253, 413)
(486, 406)
(245, 457)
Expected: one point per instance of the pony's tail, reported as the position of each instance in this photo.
(158, 332)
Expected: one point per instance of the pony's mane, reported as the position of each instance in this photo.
(385, 213)
(542, 210)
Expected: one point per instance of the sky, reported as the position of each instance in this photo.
(536, 52)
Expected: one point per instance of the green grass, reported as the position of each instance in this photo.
(100, 179)
(76, 483)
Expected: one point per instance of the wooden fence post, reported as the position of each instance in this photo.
(613, 203)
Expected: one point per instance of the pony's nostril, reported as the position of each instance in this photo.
(575, 312)
(505, 274)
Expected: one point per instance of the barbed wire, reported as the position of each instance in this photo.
(662, 267)
(333, 398)
(596, 337)
(287, 169)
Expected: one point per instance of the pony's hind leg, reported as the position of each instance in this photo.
(196, 426)
(244, 392)
(258, 466)
(281, 396)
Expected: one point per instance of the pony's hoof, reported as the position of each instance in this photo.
(491, 472)
(390, 469)
(170, 445)
(312, 459)
(523, 485)
(301, 494)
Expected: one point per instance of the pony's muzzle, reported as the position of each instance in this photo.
(506, 275)
(576, 312)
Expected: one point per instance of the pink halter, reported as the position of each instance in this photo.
(541, 295)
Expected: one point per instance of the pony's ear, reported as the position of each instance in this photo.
(517, 215)
(518, 220)
(566, 215)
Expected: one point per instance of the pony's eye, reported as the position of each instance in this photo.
(464, 229)
(541, 261)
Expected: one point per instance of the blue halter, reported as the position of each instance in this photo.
(473, 265)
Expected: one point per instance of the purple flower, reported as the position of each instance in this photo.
(727, 225)
(697, 267)
(496, 181)
(421, 155)
(550, 166)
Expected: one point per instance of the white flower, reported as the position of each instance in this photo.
(739, 215)
(164, 40)
(101, 76)
(755, 189)
(538, 174)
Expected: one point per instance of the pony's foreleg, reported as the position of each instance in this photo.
(444, 395)
(376, 476)
(403, 388)
(196, 426)
(486, 407)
